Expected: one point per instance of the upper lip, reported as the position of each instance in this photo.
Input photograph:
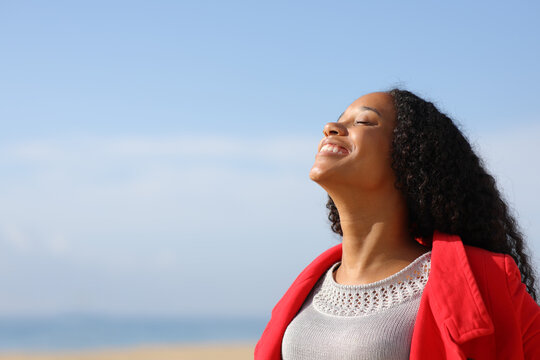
(328, 141)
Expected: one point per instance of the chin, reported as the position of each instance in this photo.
(316, 174)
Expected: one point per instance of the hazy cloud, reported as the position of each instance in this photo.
(142, 219)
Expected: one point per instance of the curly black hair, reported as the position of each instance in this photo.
(446, 186)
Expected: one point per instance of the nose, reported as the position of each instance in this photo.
(334, 128)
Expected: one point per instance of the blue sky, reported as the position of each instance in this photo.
(155, 154)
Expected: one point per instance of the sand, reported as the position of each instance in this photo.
(195, 352)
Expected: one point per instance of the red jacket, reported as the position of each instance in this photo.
(474, 306)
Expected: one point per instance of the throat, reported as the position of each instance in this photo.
(350, 272)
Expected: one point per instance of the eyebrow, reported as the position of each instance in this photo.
(364, 108)
(371, 109)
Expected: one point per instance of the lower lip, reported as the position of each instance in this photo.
(330, 153)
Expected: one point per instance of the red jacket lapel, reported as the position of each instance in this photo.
(453, 291)
(451, 310)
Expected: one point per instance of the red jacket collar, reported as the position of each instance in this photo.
(462, 312)
(453, 291)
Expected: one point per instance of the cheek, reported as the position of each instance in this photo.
(373, 147)
(383, 154)
(373, 159)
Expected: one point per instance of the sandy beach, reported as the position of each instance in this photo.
(195, 352)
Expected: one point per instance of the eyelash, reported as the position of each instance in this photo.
(361, 122)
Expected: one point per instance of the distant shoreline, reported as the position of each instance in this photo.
(90, 333)
(222, 351)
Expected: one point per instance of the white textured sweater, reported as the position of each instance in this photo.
(371, 321)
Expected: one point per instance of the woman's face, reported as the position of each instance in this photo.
(356, 149)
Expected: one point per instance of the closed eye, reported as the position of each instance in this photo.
(361, 122)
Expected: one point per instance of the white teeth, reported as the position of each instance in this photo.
(333, 148)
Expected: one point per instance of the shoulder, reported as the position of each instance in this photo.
(491, 259)
(493, 269)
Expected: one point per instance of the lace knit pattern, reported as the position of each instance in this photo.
(360, 300)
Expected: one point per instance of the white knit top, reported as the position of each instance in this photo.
(370, 321)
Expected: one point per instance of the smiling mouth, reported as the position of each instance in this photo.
(333, 149)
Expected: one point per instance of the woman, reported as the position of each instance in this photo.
(432, 264)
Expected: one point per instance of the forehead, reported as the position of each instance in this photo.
(382, 103)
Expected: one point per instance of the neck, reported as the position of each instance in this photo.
(376, 239)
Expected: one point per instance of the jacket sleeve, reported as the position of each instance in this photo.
(527, 310)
